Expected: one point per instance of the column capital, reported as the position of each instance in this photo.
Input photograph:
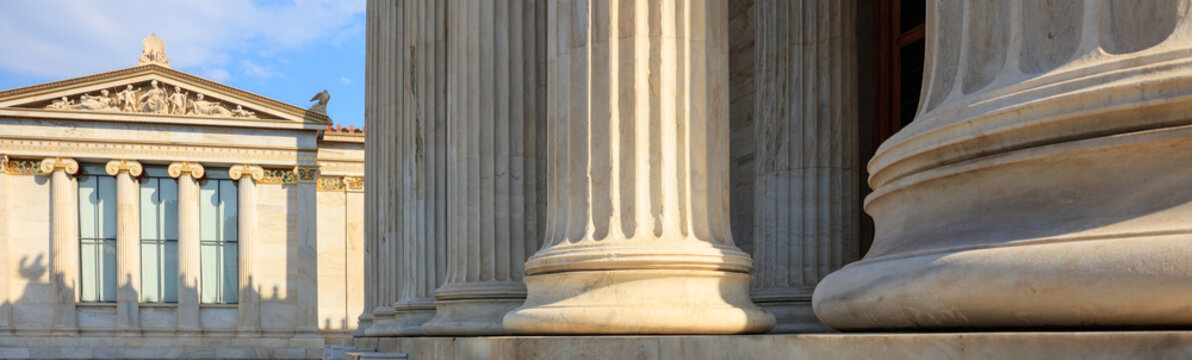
(178, 168)
(133, 167)
(253, 171)
(354, 183)
(3, 163)
(49, 165)
(307, 174)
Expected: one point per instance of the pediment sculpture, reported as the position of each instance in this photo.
(152, 99)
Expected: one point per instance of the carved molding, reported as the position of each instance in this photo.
(330, 184)
(103, 149)
(22, 167)
(133, 167)
(195, 170)
(253, 171)
(279, 177)
(307, 174)
(49, 165)
(354, 183)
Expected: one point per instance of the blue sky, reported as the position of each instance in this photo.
(283, 49)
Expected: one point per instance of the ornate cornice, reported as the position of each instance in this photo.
(133, 167)
(307, 174)
(49, 165)
(195, 170)
(354, 183)
(253, 171)
(17, 147)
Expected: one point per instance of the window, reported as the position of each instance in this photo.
(899, 77)
(218, 236)
(97, 235)
(159, 237)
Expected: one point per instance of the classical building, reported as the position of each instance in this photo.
(579, 168)
(146, 212)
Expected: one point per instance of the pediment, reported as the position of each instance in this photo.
(152, 90)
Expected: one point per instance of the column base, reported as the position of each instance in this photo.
(406, 320)
(646, 301)
(474, 308)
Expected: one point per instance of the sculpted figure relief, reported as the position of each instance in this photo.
(154, 100)
(204, 107)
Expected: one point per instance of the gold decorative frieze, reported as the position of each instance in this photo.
(143, 151)
(195, 170)
(49, 165)
(255, 172)
(330, 184)
(133, 167)
(307, 174)
(278, 177)
(22, 167)
(354, 183)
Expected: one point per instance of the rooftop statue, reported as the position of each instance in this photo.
(321, 106)
(153, 51)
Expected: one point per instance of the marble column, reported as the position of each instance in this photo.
(128, 244)
(188, 175)
(249, 306)
(496, 173)
(637, 237)
(308, 260)
(806, 203)
(64, 241)
(5, 235)
(1041, 183)
(381, 175)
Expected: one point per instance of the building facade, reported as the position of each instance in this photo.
(694, 168)
(146, 212)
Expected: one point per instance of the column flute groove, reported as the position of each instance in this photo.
(248, 308)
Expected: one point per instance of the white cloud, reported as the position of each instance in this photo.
(258, 71)
(216, 75)
(345, 80)
(62, 38)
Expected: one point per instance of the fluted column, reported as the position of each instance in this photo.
(128, 244)
(5, 209)
(1042, 182)
(495, 180)
(384, 78)
(637, 236)
(308, 265)
(188, 175)
(64, 241)
(249, 306)
(806, 206)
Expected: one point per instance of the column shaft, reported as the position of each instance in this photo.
(637, 236)
(308, 290)
(496, 191)
(806, 206)
(128, 244)
(188, 244)
(5, 235)
(384, 78)
(248, 308)
(64, 241)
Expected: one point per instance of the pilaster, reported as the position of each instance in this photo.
(128, 244)
(189, 272)
(307, 260)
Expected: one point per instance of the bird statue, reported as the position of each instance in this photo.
(321, 106)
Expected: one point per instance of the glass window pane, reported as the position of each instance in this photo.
(210, 273)
(169, 284)
(230, 273)
(108, 267)
(229, 198)
(150, 271)
(209, 210)
(89, 274)
(169, 207)
(107, 206)
(150, 212)
(88, 203)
